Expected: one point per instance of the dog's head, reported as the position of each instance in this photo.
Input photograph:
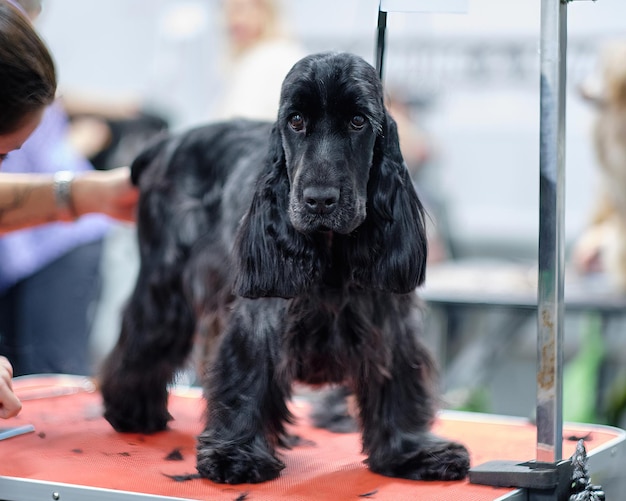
(330, 115)
(335, 170)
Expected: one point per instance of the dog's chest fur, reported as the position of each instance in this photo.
(333, 333)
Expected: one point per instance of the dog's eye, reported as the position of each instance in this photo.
(296, 121)
(358, 122)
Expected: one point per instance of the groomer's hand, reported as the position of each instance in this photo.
(109, 192)
(9, 403)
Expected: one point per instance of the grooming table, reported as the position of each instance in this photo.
(75, 455)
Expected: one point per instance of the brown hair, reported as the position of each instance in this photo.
(27, 74)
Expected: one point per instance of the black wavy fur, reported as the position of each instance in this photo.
(299, 244)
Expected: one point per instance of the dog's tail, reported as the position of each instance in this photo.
(147, 155)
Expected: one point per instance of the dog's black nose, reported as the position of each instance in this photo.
(320, 200)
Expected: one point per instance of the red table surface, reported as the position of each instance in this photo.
(73, 444)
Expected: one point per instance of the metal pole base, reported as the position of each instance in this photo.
(544, 481)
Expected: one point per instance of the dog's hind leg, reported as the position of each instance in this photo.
(332, 410)
(397, 412)
(156, 337)
(246, 398)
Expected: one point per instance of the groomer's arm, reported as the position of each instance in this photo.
(26, 200)
(32, 199)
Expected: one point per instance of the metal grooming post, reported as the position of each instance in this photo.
(380, 39)
(551, 222)
(547, 477)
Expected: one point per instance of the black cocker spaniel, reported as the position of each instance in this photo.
(298, 246)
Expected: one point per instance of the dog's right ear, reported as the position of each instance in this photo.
(273, 259)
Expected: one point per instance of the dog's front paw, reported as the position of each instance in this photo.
(230, 463)
(132, 410)
(434, 459)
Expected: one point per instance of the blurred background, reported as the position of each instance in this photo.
(465, 88)
(471, 78)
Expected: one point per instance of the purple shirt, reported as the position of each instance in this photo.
(27, 251)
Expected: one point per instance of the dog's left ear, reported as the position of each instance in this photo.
(390, 248)
(273, 259)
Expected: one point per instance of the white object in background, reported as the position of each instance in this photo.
(184, 20)
(446, 6)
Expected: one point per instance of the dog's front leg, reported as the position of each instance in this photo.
(246, 397)
(397, 412)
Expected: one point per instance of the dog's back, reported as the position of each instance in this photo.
(189, 182)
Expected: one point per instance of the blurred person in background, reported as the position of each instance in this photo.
(602, 245)
(27, 86)
(259, 54)
(49, 274)
(20, 113)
